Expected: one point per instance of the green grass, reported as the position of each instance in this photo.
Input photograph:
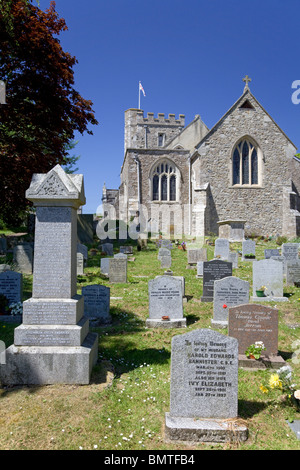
(123, 407)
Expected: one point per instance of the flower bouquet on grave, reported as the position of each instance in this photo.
(261, 291)
(165, 318)
(282, 380)
(254, 350)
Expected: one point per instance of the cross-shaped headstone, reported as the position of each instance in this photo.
(2, 92)
(247, 80)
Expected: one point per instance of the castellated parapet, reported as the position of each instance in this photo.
(150, 131)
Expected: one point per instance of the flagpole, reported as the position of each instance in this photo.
(139, 96)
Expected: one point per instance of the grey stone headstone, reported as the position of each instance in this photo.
(128, 250)
(120, 256)
(290, 252)
(197, 254)
(163, 252)
(80, 264)
(165, 300)
(11, 285)
(82, 249)
(292, 272)
(165, 262)
(204, 375)
(268, 273)
(118, 270)
(108, 248)
(104, 265)
(97, 302)
(228, 292)
(23, 258)
(204, 388)
(234, 259)
(5, 267)
(222, 248)
(57, 346)
(271, 252)
(248, 248)
(200, 268)
(213, 270)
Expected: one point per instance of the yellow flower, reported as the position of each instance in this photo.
(264, 389)
(275, 381)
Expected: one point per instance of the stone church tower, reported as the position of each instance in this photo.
(191, 177)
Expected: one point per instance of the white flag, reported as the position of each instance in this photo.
(142, 89)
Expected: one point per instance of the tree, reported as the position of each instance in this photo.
(43, 110)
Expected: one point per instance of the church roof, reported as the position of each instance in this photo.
(243, 97)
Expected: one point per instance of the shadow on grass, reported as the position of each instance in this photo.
(247, 408)
(127, 345)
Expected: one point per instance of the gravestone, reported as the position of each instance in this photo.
(23, 258)
(199, 269)
(292, 272)
(53, 344)
(228, 292)
(222, 248)
(128, 250)
(195, 255)
(182, 280)
(11, 285)
(5, 267)
(104, 265)
(290, 252)
(233, 230)
(118, 270)
(96, 303)
(121, 256)
(204, 389)
(213, 270)
(249, 323)
(80, 264)
(165, 303)
(165, 262)
(234, 259)
(248, 248)
(271, 252)
(108, 248)
(83, 249)
(281, 259)
(268, 273)
(163, 252)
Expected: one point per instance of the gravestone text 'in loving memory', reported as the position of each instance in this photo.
(204, 388)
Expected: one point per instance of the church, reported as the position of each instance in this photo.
(189, 179)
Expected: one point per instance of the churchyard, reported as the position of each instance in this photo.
(124, 405)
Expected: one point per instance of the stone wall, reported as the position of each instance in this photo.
(262, 206)
(136, 172)
(142, 132)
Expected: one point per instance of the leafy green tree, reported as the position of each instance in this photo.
(43, 110)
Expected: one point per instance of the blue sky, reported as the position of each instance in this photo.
(191, 57)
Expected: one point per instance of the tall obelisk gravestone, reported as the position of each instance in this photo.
(53, 344)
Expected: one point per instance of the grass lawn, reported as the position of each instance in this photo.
(123, 407)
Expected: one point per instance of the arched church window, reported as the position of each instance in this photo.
(245, 164)
(164, 182)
